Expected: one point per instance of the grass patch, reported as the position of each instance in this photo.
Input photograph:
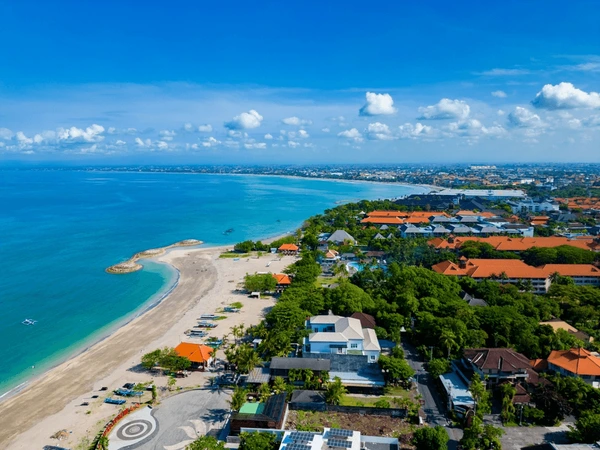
(220, 318)
(234, 255)
(238, 305)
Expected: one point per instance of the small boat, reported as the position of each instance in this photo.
(228, 231)
(29, 322)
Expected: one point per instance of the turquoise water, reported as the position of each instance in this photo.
(59, 230)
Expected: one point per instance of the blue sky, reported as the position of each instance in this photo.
(299, 82)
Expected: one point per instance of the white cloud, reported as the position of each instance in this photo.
(446, 109)
(188, 127)
(92, 133)
(379, 131)
(5, 133)
(296, 121)
(162, 145)
(293, 144)
(167, 135)
(210, 142)
(245, 121)
(565, 96)
(410, 131)
(268, 136)
(111, 130)
(303, 134)
(141, 143)
(584, 67)
(207, 128)
(592, 121)
(325, 130)
(120, 142)
(500, 112)
(523, 118)
(377, 104)
(474, 128)
(505, 72)
(255, 145)
(22, 139)
(499, 94)
(353, 134)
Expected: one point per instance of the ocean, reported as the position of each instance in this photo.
(60, 229)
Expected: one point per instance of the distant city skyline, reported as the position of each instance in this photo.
(308, 83)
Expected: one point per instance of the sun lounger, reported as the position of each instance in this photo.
(114, 401)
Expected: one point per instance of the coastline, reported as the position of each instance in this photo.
(25, 394)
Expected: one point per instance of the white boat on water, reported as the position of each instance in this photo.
(29, 322)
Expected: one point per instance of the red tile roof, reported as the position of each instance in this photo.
(506, 243)
(282, 278)
(288, 248)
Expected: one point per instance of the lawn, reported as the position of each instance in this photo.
(234, 255)
(398, 397)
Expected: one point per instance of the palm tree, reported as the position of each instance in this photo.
(448, 340)
(279, 385)
(335, 392)
(238, 398)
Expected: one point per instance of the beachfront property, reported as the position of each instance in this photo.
(283, 281)
(339, 335)
(576, 362)
(533, 206)
(487, 194)
(201, 356)
(513, 271)
(288, 249)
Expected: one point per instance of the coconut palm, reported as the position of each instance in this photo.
(335, 392)
(448, 340)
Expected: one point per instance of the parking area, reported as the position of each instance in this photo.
(515, 438)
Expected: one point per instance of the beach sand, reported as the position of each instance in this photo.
(52, 402)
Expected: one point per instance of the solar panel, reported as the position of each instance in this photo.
(296, 446)
(338, 432)
(339, 443)
(305, 436)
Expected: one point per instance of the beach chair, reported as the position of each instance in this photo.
(114, 401)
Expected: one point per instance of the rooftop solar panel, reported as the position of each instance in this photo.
(296, 446)
(338, 443)
(338, 432)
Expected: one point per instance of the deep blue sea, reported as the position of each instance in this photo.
(59, 230)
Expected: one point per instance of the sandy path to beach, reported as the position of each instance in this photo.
(51, 403)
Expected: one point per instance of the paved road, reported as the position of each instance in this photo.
(434, 407)
(184, 417)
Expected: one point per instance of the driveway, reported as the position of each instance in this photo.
(186, 416)
(433, 407)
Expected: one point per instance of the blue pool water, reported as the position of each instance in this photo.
(59, 230)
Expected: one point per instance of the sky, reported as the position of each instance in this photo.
(308, 82)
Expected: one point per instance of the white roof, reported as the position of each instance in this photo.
(346, 328)
(371, 342)
(327, 337)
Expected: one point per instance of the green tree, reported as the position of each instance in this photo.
(258, 441)
(480, 395)
(437, 367)
(238, 398)
(481, 437)
(448, 340)
(396, 369)
(430, 438)
(279, 385)
(508, 408)
(335, 392)
(244, 247)
(264, 392)
(171, 382)
(103, 443)
(587, 428)
(260, 282)
(206, 443)
(151, 360)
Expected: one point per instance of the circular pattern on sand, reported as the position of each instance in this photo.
(136, 429)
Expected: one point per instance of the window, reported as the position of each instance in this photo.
(372, 356)
(353, 345)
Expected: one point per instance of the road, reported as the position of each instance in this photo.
(434, 407)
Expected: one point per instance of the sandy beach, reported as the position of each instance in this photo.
(53, 401)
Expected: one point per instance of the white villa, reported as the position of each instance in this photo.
(341, 336)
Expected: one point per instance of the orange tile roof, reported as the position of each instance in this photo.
(578, 361)
(282, 278)
(572, 270)
(506, 243)
(383, 220)
(486, 268)
(288, 247)
(196, 353)
(388, 214)
(473, 213)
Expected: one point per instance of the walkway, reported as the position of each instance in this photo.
(133, 430)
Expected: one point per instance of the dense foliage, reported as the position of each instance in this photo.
(265, 282)
(430, 438)
(167, 358)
